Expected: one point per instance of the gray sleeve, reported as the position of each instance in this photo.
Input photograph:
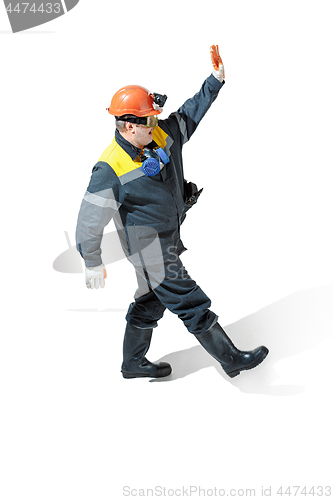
(97, 210)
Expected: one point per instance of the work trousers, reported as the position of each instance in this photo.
(177, 292)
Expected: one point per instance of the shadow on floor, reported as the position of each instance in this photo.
(288, 327)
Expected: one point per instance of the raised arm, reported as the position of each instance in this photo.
(189, 115)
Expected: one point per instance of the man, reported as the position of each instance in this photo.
(139, 182)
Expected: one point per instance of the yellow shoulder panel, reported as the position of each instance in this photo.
(118, 159)
(159, 137)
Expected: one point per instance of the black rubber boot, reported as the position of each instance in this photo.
(217, 344)
(136, 345)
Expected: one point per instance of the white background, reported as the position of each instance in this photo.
(260, 245)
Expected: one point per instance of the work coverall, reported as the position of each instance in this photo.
(148, 212)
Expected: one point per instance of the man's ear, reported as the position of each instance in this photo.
(129, 127)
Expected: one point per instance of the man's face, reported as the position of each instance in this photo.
(139, 135)
(142, 135)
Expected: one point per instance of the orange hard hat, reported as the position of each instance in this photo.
(133, 100)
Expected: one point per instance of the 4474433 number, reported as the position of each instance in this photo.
(23, 8)
(318, 491)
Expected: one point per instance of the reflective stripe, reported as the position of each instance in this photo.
(130, 176)
(100, 201)
(168, 143)
(182, 126)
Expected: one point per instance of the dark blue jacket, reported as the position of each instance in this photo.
(142, 206)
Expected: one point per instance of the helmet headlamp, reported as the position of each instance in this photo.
(159, 99)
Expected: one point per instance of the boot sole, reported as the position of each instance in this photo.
(237, 372)
(142, 375)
